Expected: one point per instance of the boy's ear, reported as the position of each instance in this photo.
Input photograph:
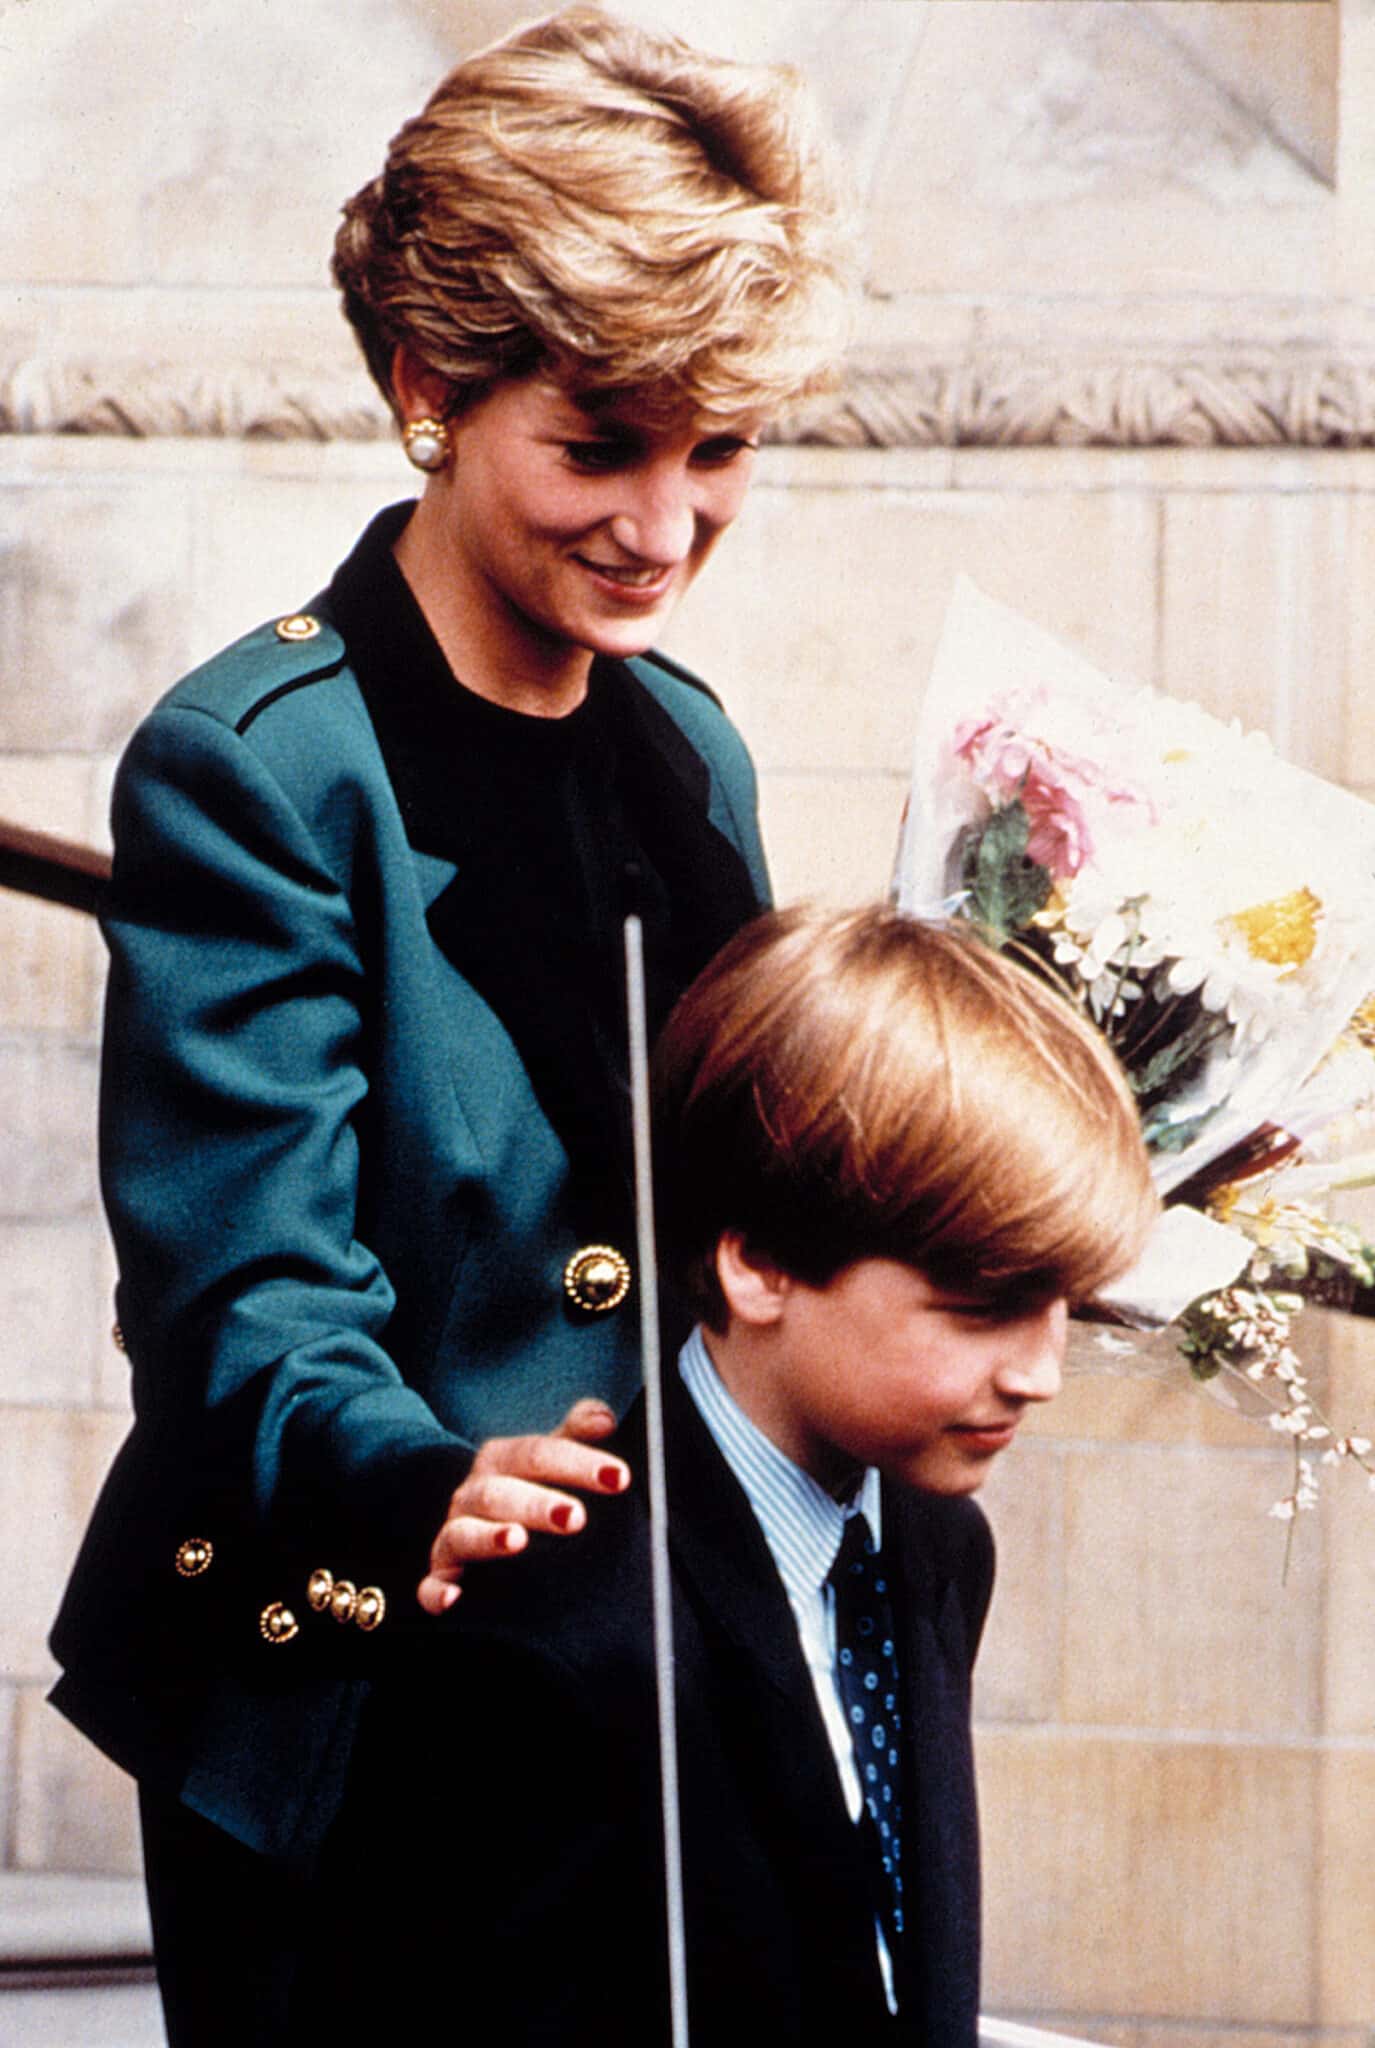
(754, 1287)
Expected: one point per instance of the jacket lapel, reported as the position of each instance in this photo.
(940, 1847)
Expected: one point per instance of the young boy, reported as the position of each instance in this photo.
(889, 1163)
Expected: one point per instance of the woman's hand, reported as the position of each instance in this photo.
(513, 1487)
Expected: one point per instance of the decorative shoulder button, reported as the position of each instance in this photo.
(277, 1624)
(343, 1599)
(193, 1557)
(117, 1337)
(297, 626)
(597, 1278)
(319, 1586)
(370, 1609)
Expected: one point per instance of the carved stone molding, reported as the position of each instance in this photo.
(1307, 401)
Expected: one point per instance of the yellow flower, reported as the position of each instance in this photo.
(1282, 932)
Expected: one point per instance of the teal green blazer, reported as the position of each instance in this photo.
(341, 1209)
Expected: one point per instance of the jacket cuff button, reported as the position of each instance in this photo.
(277, 1624)
(193, 1557)
(370, 1608)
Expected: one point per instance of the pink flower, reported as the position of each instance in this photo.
(1050, 784)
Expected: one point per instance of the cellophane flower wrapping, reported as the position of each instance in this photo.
(1211, 908)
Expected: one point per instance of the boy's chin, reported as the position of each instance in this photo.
(944, 1478)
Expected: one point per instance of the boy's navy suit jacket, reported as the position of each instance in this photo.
(530, 1777)
(341, 1212)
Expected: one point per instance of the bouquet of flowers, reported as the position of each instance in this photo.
(1212, 909)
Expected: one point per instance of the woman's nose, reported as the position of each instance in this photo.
(658, 519)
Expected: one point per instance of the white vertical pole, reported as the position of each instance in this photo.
(660, 1582)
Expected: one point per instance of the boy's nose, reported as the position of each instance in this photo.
(1036, 1354)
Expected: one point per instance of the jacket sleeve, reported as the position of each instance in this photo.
(235, 1066)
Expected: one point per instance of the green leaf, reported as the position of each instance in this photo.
(1005, 888)
(1161, 1136)
(1178, 1052)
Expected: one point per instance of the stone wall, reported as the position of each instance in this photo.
(1116, 362)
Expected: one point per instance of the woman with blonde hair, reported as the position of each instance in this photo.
(364, 1127)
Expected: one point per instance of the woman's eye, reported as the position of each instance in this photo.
(723, 448)
(598, 457)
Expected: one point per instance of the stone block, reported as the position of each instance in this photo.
(52, 1465)
(74, 1809)
(1177, 1614)
(1165, 1407)
(1018, 1674)
(54, 960)
(1253, 616)
(1346, 1886)
(1199, 2034)
(818, 620)
(93, 611)
(9, 1766)
(1349, 1512)
(1076, 150)
(264, 543)
(1353, 255)
(1358, 726)
(224, 188)
(47, 1128)
(48, 1284)
(1148, 1878)
(831, 838)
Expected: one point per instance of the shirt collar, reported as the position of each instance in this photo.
(802, 1523)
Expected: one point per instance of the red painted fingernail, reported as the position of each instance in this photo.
(502, 1539)
(561, 1516)
(611, 1478)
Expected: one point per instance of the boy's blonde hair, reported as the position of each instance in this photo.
(594, 199)
(863, 1085)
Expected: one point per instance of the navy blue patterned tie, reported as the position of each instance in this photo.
(867, 1670)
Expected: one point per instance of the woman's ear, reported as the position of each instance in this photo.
(754, 1287)
(418, 390)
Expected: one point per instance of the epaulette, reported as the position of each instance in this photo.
(318, 650)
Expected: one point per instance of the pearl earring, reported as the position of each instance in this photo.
(426, 442)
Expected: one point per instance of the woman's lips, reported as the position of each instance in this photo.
(626, 582)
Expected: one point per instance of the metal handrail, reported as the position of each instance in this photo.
(57, 870)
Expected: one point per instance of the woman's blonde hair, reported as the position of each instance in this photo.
(595, 199)
(841, 1086)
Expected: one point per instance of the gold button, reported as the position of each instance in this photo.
(370, 1609)
(277, 1624)
(117, 1337)
(597, 1278)
(193, 1557)
(319, 1586)
(343, 1600)
(297, 626)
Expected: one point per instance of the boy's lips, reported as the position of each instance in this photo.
(993, 1435)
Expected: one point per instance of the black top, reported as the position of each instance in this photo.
(560, 828)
